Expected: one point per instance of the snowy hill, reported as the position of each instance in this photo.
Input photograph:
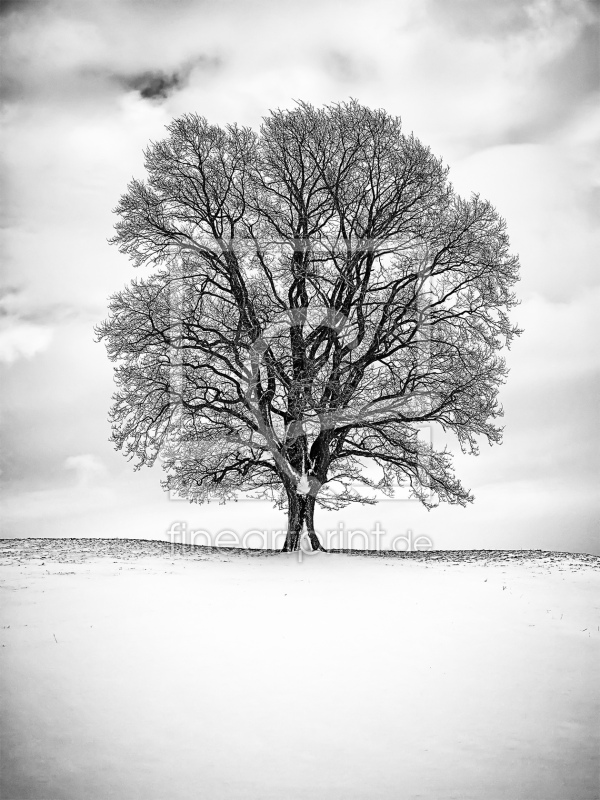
(137, 669)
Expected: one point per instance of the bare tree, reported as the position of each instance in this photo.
(320, 293)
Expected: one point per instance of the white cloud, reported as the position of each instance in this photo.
(457, 72)
(558, 339)
(22, 340)
(88, 468)
(543, 191)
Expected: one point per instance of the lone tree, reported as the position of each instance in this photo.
(320, 293)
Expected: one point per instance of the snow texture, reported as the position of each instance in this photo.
(137, 670)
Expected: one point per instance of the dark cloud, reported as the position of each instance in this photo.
(154, 85)
(578, 71)
(12, 6)
(159, 84)
(564, 85)
(492, 19)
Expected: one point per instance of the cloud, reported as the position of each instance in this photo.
(559, 338)
(489, 19)
(154, 85)
(88, 468)
(544, 191)
(468, 70)
(22, 340)
(36, 512)
(348, 69)
(8, 7)
(28, 325)
(158, 84)
(72, 52)
(20, 337)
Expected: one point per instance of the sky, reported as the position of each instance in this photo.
(506, 93)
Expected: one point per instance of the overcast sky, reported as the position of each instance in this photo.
(506, 93)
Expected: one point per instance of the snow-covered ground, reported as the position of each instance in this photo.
(133, 671)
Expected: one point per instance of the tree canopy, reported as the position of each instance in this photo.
(319, 292)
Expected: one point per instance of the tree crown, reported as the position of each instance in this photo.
(320, 292)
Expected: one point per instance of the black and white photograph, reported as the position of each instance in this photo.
(299, 406)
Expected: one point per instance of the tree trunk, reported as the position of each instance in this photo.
(300, 512)
(296, 511)
(310, 525)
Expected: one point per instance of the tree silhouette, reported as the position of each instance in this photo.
(320, 293)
